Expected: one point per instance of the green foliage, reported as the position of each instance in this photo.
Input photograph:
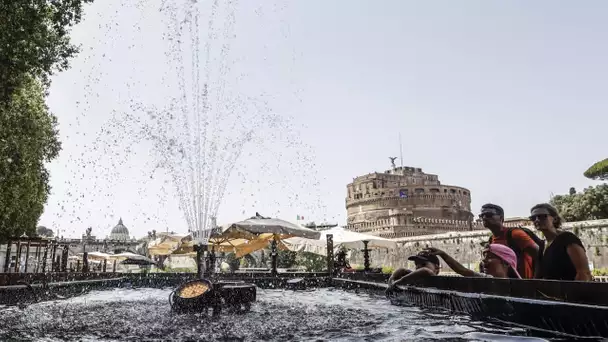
(44, 231)
(286, 259)
(35, 40)
(249, 261)
(28, 139)
(600, 272)
(598, 171)
(312, 262)
(233, 261)
(387, 270)
(591, 204)
(34, 43)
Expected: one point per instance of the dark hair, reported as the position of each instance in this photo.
(498, 209)
(557, 219)
(511, 273)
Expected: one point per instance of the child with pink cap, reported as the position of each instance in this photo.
(499, 261)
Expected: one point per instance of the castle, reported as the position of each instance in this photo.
(404, 201)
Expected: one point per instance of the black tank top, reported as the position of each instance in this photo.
(555, 263)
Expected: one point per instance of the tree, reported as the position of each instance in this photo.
(233, 262)
(44, 232)
(312, 262)
(598, 171)
(286, 259)
(591, 204)
(35, 40)
(28, 139)
(34, 43)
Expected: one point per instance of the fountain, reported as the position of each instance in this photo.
(199, 143)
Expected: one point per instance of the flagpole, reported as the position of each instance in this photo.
(401, 150)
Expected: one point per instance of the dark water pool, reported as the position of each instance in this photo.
(278, 315)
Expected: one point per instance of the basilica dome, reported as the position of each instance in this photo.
(119, 232)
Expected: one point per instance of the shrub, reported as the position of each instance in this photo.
(387, 270)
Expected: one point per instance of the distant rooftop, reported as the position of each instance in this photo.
(320, 226)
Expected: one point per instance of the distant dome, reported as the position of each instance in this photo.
(119, 232)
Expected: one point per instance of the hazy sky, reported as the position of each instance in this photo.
(505, 98)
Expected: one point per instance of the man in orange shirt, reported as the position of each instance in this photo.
(493, 217)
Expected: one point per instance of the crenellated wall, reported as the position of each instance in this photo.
(466, 246)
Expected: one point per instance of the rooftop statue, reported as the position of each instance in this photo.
(393, 162)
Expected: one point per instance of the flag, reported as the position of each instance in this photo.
(300, 218)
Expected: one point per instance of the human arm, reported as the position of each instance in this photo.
(579, 260)
(453, 263)
(411, 277)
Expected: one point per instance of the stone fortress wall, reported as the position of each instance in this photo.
(404, 202)
(466, 246)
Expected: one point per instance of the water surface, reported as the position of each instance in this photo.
(278, 315)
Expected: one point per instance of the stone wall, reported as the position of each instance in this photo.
(466, 246)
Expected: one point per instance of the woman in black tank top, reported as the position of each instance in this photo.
(564, 256)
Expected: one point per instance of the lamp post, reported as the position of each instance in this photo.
(366, 255)
(85, 256)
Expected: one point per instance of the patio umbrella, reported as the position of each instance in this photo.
(254, 226)
(255, 233)
(141, 262)
(127, 255)
(342, 238)
(167, 244)
(97, 255)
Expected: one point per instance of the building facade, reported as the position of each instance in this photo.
(405, 201)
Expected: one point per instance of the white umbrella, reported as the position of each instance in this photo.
(342, 238)
(250, 228)
(128, 255)
(97, 255)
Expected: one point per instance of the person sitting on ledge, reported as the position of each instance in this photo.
(426, 265)
(499, 261)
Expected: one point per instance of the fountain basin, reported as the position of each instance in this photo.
(323, 314)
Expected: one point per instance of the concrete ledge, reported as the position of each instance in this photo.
(31, 293)
(570, 320)
(44, 288)
(505, 301)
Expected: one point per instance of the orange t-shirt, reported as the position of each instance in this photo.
(523, 241)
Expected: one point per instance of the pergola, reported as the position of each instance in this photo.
(44, 248)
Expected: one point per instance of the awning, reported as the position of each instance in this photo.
(342, 239)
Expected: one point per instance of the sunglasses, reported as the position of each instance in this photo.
(487, 215)
(487, 256)
(540, 217)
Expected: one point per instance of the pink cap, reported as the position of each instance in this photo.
(506, 254)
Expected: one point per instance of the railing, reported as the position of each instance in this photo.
(601, 279)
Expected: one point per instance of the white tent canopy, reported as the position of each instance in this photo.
(342, 238)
